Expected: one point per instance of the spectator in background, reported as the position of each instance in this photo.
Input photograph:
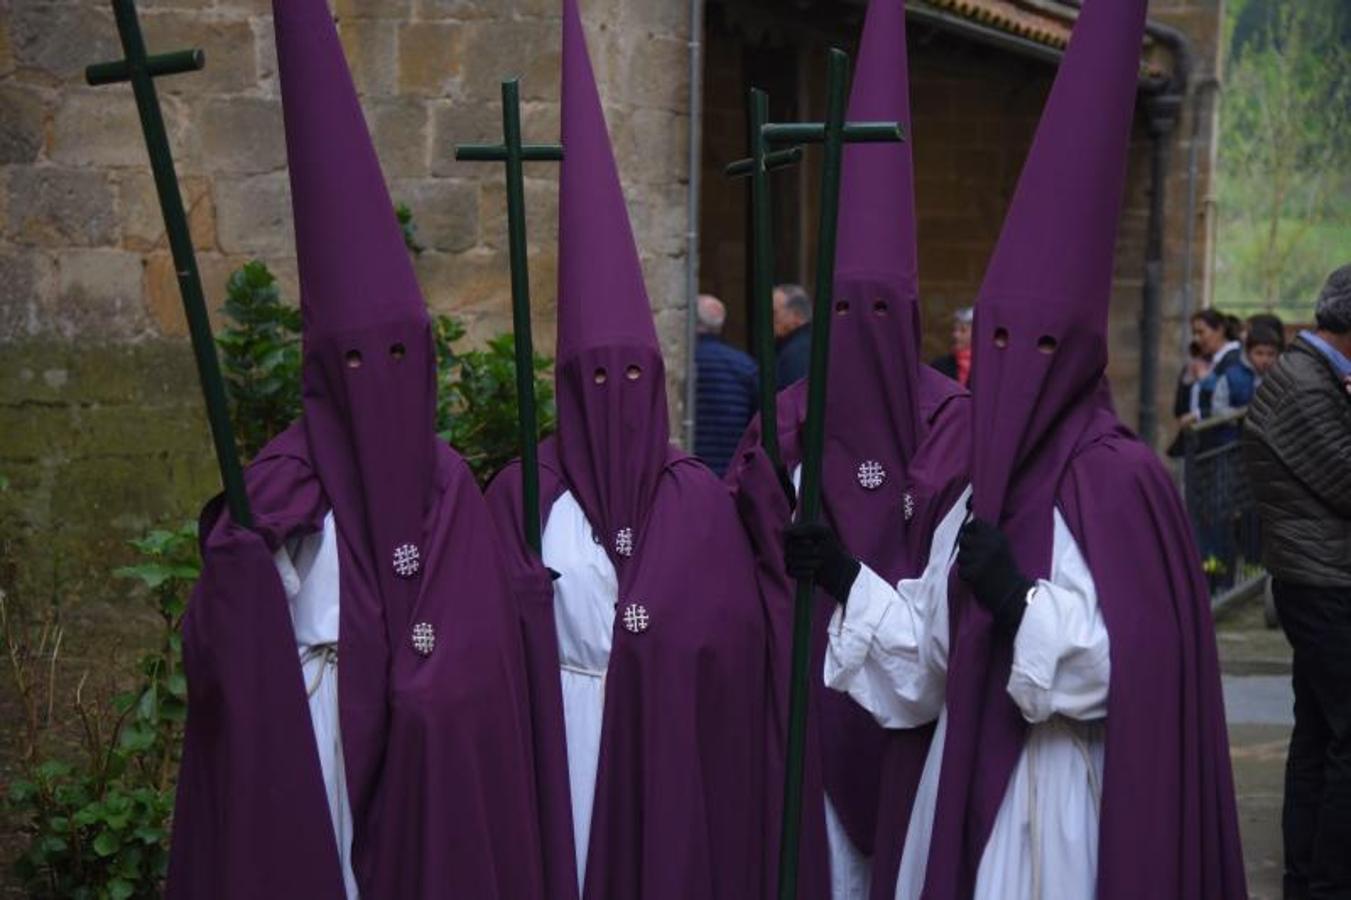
(1262, 348)
(1229, 383)
(793, 331)
(1211, 475)
(957, 364)
(1269, 321)
(724, 389)
(1297, 445)
(1196, 368)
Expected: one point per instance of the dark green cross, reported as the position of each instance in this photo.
(515, 154)
(142, 70)
(833, 133)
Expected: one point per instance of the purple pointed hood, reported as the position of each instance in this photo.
(874, 384)
(613, 433)
(1040, 343)
(369, 372)
(1040, 397)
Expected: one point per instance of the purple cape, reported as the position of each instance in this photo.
(1046, 437)
(680, 789)
(870, 773)
(440, 777)
(890, 417)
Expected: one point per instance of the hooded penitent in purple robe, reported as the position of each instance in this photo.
(896, 455)
(1046, 438)
(434, 733)
(678, 804)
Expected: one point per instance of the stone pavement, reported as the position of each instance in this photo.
(1256, 665)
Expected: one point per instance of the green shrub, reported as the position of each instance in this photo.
(100, 829)
(260, 357)
(477, 406)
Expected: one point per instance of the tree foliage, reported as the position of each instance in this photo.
(1285, 153)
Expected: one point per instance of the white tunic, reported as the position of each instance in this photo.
(309, 573)
(888, 648)
(585, 594)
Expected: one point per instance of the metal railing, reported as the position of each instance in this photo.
(1222, 508)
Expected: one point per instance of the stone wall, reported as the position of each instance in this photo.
(101, 433)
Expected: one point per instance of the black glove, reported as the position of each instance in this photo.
(814, 552)
(985, 562)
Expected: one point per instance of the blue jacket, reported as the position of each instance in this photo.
(1228, 387)
(794, 356)
(725, 400)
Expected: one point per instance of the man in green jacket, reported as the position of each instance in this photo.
(1297, 443)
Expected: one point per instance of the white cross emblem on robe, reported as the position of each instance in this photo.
(407, 560)
(636, 619)
(424, 638)
(871, 475)
(624, 542)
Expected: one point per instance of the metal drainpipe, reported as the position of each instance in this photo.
(1207, 86)
(696, 102)
(1163, 107)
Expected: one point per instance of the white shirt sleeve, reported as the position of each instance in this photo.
(887, 648)
(1061, 663)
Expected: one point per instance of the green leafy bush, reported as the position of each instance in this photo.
(100, 829)
(477, 406)
(260, 357)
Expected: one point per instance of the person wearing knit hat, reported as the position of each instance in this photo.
(357, 720)
(644, 627)
(896, 451)
(1080, 747)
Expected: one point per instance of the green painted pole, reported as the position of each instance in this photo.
(515, 153)
(757, 167)
(809, 499)
(776, 159)
(141, 70)
(762, 275)
(162, 64)
(834, 134)
(817, 133)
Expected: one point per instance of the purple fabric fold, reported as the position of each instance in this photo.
(449, 797)
(436, 742)
(680, 790)
(1046, 436)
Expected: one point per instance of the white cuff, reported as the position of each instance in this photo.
(855, 623)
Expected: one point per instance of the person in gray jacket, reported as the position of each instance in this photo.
(1297, 444)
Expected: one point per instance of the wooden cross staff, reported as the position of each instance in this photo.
(515, 153)
(833, 133)
(762, 161)
(142, 70)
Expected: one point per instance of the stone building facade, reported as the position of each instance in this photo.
(101, 432)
